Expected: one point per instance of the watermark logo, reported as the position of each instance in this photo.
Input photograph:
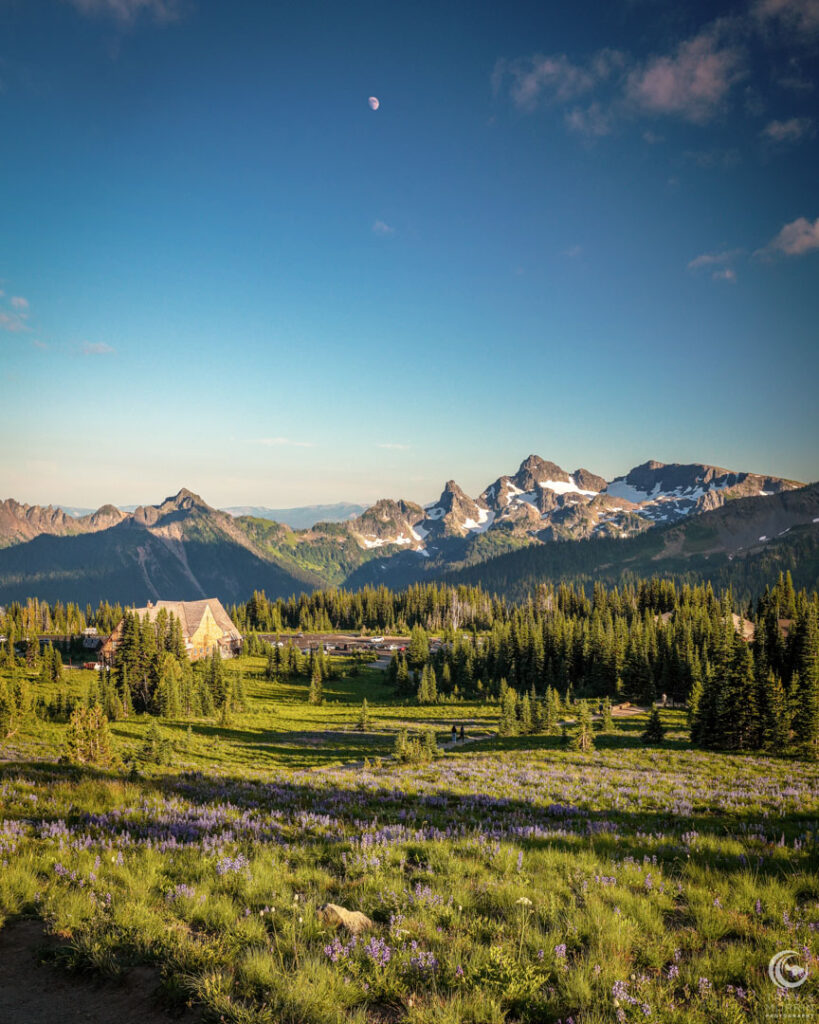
(785, 974)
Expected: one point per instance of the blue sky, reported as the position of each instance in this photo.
(587, 230)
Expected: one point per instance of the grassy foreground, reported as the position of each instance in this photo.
(507, 880)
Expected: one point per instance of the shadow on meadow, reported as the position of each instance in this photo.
(609, 833)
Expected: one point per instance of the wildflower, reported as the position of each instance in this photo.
(524, 901)
(704, 986)
(673, 972)
(560, 951)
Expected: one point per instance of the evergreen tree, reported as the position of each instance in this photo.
(418, 648)
(606, 719)
(508, 725)
(777, 720)
(655, 730)
(363, 717)
(316, 692)
(584, 737)
(88, 740)
(226, 710)
(429, 745)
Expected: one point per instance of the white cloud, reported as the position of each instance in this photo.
(693, 83)
(282, 442)
(798, 237)
(96, 348)
(720, 258)
(792, 130)
(128, 10)
(380, 227)
(394, 447)
(19, 303)
(573, 251)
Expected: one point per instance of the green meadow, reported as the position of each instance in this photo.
(511, 878)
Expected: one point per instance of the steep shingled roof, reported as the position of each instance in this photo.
(190, 614)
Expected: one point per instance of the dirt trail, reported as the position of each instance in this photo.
(34, 993)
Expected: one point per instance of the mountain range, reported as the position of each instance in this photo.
(300, 518)
(183, 548)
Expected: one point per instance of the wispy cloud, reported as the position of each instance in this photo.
(692, 83)
(97, 348)
(719, 263)
(380, 227)
(14, 319)
(394, 447)
(726, 274)
(532, 81)
(592, 121)
(797, 238)
(792, 130)
(13, 322)
(126, 11)
(800, 17)
(573, 251)
(282, 442)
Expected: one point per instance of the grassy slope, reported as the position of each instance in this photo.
(533, 878)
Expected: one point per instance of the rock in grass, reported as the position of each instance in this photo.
(353, 920)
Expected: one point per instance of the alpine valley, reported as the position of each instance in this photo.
(540, 524)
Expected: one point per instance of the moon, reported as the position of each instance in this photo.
(374, 102)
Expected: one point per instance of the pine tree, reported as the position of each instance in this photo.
(777, 719)
(239, 691)
(432, 686)
(508, 725)
(206, 698)
(655, 730)
(363, 717)
(429, 745)
(423, 693)
(88, 740)
(584, 737)
(226, 711)
(125, 694)
(418, 648)
(525, 717)
(315, 694)
(551, 711)
(400, 745)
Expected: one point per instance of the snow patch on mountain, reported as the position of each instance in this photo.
(565, 487)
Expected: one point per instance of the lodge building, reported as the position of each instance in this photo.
(205, 626)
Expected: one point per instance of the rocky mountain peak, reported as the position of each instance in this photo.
(535, 470)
